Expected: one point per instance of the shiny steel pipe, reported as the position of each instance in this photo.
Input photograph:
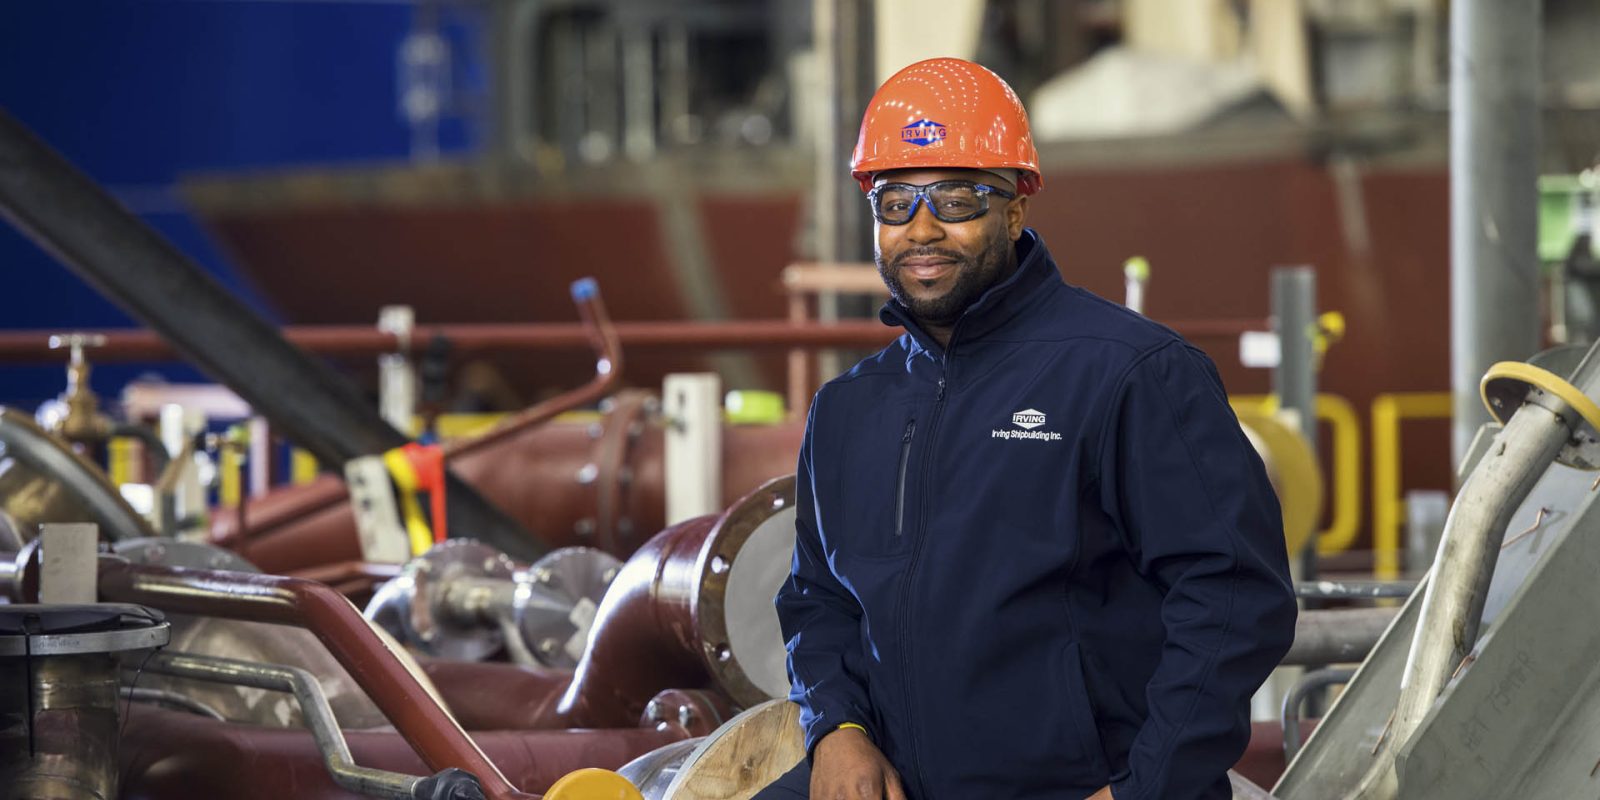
(316, 712)
(1354, 590)
(428, 728)
(1313, 681)
(1337, 636)
(1452, 603)
(165, 697)
(1452, 606)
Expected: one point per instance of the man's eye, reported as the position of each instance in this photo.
(959, 204)
(896, 206)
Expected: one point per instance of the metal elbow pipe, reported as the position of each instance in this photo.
(664, 622)
(1546, 419)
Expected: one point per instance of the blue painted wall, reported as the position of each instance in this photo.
(140, 92)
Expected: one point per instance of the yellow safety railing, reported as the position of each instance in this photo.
(1388, 507)
(1344, 521)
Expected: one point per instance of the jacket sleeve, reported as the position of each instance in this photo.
(1202, 523)
(821, 622)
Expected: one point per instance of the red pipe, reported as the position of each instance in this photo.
(318, 608)
(351, 341)
(602, 335)
(348, 572)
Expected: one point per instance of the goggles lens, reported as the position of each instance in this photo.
(950, 201)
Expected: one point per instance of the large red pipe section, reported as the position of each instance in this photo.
(318, 608)
(536, 476)
(644, 636)
(657, 628)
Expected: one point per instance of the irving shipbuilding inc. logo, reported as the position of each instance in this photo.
(923, 133)
(1028, 420)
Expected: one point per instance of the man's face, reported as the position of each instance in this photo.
(936, 269)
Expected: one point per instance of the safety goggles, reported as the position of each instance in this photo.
(950, 201)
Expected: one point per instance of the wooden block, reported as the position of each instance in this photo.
(743, 756)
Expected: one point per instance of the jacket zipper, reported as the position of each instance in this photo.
(911, 569)
(900, 488)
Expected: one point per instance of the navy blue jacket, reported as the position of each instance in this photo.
(1043, 560)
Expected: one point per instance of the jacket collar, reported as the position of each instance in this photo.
(995, 307)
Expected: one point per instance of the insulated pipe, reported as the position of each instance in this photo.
(1494, 196)
(1338, 636)
(291, 601)
(67, 214)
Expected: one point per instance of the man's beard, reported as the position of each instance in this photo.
(974, 276)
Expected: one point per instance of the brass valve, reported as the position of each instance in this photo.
(83, 422)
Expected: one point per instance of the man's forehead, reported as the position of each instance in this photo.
(922, 177)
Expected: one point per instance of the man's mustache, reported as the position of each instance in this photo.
(927, 252)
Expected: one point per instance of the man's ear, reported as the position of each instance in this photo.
(1016, 212)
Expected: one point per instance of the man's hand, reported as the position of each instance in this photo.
(1103, 794)
(848, 766)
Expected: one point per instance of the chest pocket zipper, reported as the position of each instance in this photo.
(900, 487)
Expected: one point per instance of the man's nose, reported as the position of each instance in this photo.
(924, 227)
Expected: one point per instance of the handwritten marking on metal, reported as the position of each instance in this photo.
(1538, 520)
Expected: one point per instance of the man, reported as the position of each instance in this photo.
(1036, 556)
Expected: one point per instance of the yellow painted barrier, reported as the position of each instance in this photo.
(1388, 508)
(121, 452)
(1344, 522)
(302, 467)
(230, 472)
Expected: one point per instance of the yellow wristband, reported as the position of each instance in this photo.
(844, 725)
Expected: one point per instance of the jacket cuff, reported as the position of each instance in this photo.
(1125, 788)
(822, 726)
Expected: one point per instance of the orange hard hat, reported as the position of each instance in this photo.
(946, 113)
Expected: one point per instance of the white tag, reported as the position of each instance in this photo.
(69, 554)
(383, 538)
(1260, 349)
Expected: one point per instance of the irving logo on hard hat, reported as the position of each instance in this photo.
(923, 133)
(1027, 419)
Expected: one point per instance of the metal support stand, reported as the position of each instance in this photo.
(1494, 152)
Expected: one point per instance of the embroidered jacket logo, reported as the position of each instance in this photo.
(1028, 419)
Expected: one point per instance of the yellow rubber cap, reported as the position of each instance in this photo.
(593, 784)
